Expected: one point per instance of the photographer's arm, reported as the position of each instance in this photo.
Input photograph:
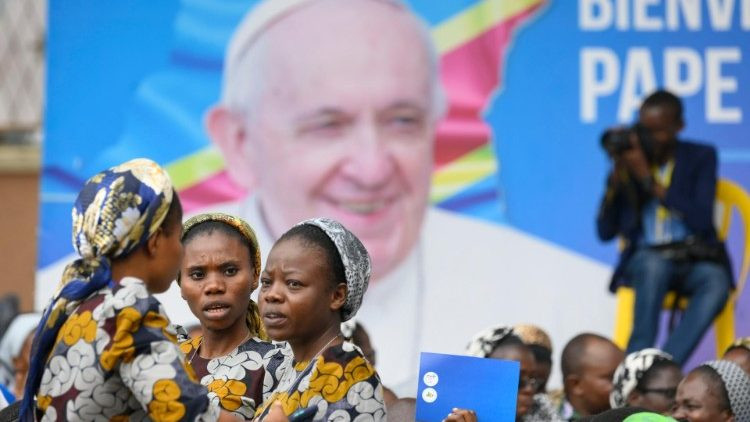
(697, 207)
(608, 216)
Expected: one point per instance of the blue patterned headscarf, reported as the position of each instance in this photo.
(115, 213)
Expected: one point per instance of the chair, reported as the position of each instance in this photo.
(729, 196)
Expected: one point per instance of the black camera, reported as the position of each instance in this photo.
(617, 140)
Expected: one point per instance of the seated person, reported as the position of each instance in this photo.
(501, 343)
(739, 353)
(588, 364)
(104, 329)
(315, 277)
(717, 391)
(660, 199)
(540, 345)
(233, 358)
(646, 379)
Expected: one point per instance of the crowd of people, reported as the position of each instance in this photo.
(105, 348)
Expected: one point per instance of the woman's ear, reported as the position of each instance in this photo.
(153, 242)
(338, 297)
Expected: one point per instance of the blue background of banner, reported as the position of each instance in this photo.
(112, 64)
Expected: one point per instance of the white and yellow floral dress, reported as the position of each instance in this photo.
(240, 381)
(116, 358)
(341, 384)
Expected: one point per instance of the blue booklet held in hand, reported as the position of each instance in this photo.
(487, 386)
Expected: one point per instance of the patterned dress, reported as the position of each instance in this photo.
(240, 381)
(116, 358)
(341, 384)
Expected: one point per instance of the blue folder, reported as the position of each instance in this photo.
(487, 386)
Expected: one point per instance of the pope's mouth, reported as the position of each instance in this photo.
(362, 207)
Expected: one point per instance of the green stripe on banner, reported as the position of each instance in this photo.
(194, 168)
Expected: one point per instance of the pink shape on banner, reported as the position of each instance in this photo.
(471, 74)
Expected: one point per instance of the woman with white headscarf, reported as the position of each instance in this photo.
(314, 279)
(13, 362)
(648, 379)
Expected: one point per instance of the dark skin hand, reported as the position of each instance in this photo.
(633, 161)
(461, 415)
(276, 414)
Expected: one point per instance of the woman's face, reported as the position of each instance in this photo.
(658, 395)
(297, 299)
(217, 279)
(696, 402)
(527, 382)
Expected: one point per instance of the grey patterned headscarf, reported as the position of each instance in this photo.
(356, 260)
(485, 341)
(737, 384)
(629, 373)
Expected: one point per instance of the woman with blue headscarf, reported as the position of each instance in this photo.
(104, 347)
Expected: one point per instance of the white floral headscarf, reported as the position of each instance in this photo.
(629, 373)
(354, 256)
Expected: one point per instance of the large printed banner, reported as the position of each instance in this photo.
(461, 146)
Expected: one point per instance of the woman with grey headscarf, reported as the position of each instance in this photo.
(647, 379)
(314, 279)
(717, 391)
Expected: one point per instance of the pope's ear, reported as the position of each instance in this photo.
(227, 131)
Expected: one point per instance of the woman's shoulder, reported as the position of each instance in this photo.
(187, 344)
(131, 296)
(352, 361)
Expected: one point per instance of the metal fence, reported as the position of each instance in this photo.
(22, 67)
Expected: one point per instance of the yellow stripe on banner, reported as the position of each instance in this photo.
(470, 23)
(194, 168)
(463, 172)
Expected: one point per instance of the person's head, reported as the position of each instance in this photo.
(661, 115)
(647, 379)
(588, 364)
(354, 331)
(540, 345)
(739, 353)
(15, 350)
(717, 391)
(126, 223)
(219, 271)
(325, 114)
(314, 278)
(502, 343)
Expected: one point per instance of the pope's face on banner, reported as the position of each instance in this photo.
(341, 124)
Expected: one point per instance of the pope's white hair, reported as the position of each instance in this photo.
(238, 86)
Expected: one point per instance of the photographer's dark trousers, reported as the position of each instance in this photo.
(653, 274)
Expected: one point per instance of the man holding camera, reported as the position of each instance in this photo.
(660, 200)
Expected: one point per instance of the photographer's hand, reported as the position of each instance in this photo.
(635, 160)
